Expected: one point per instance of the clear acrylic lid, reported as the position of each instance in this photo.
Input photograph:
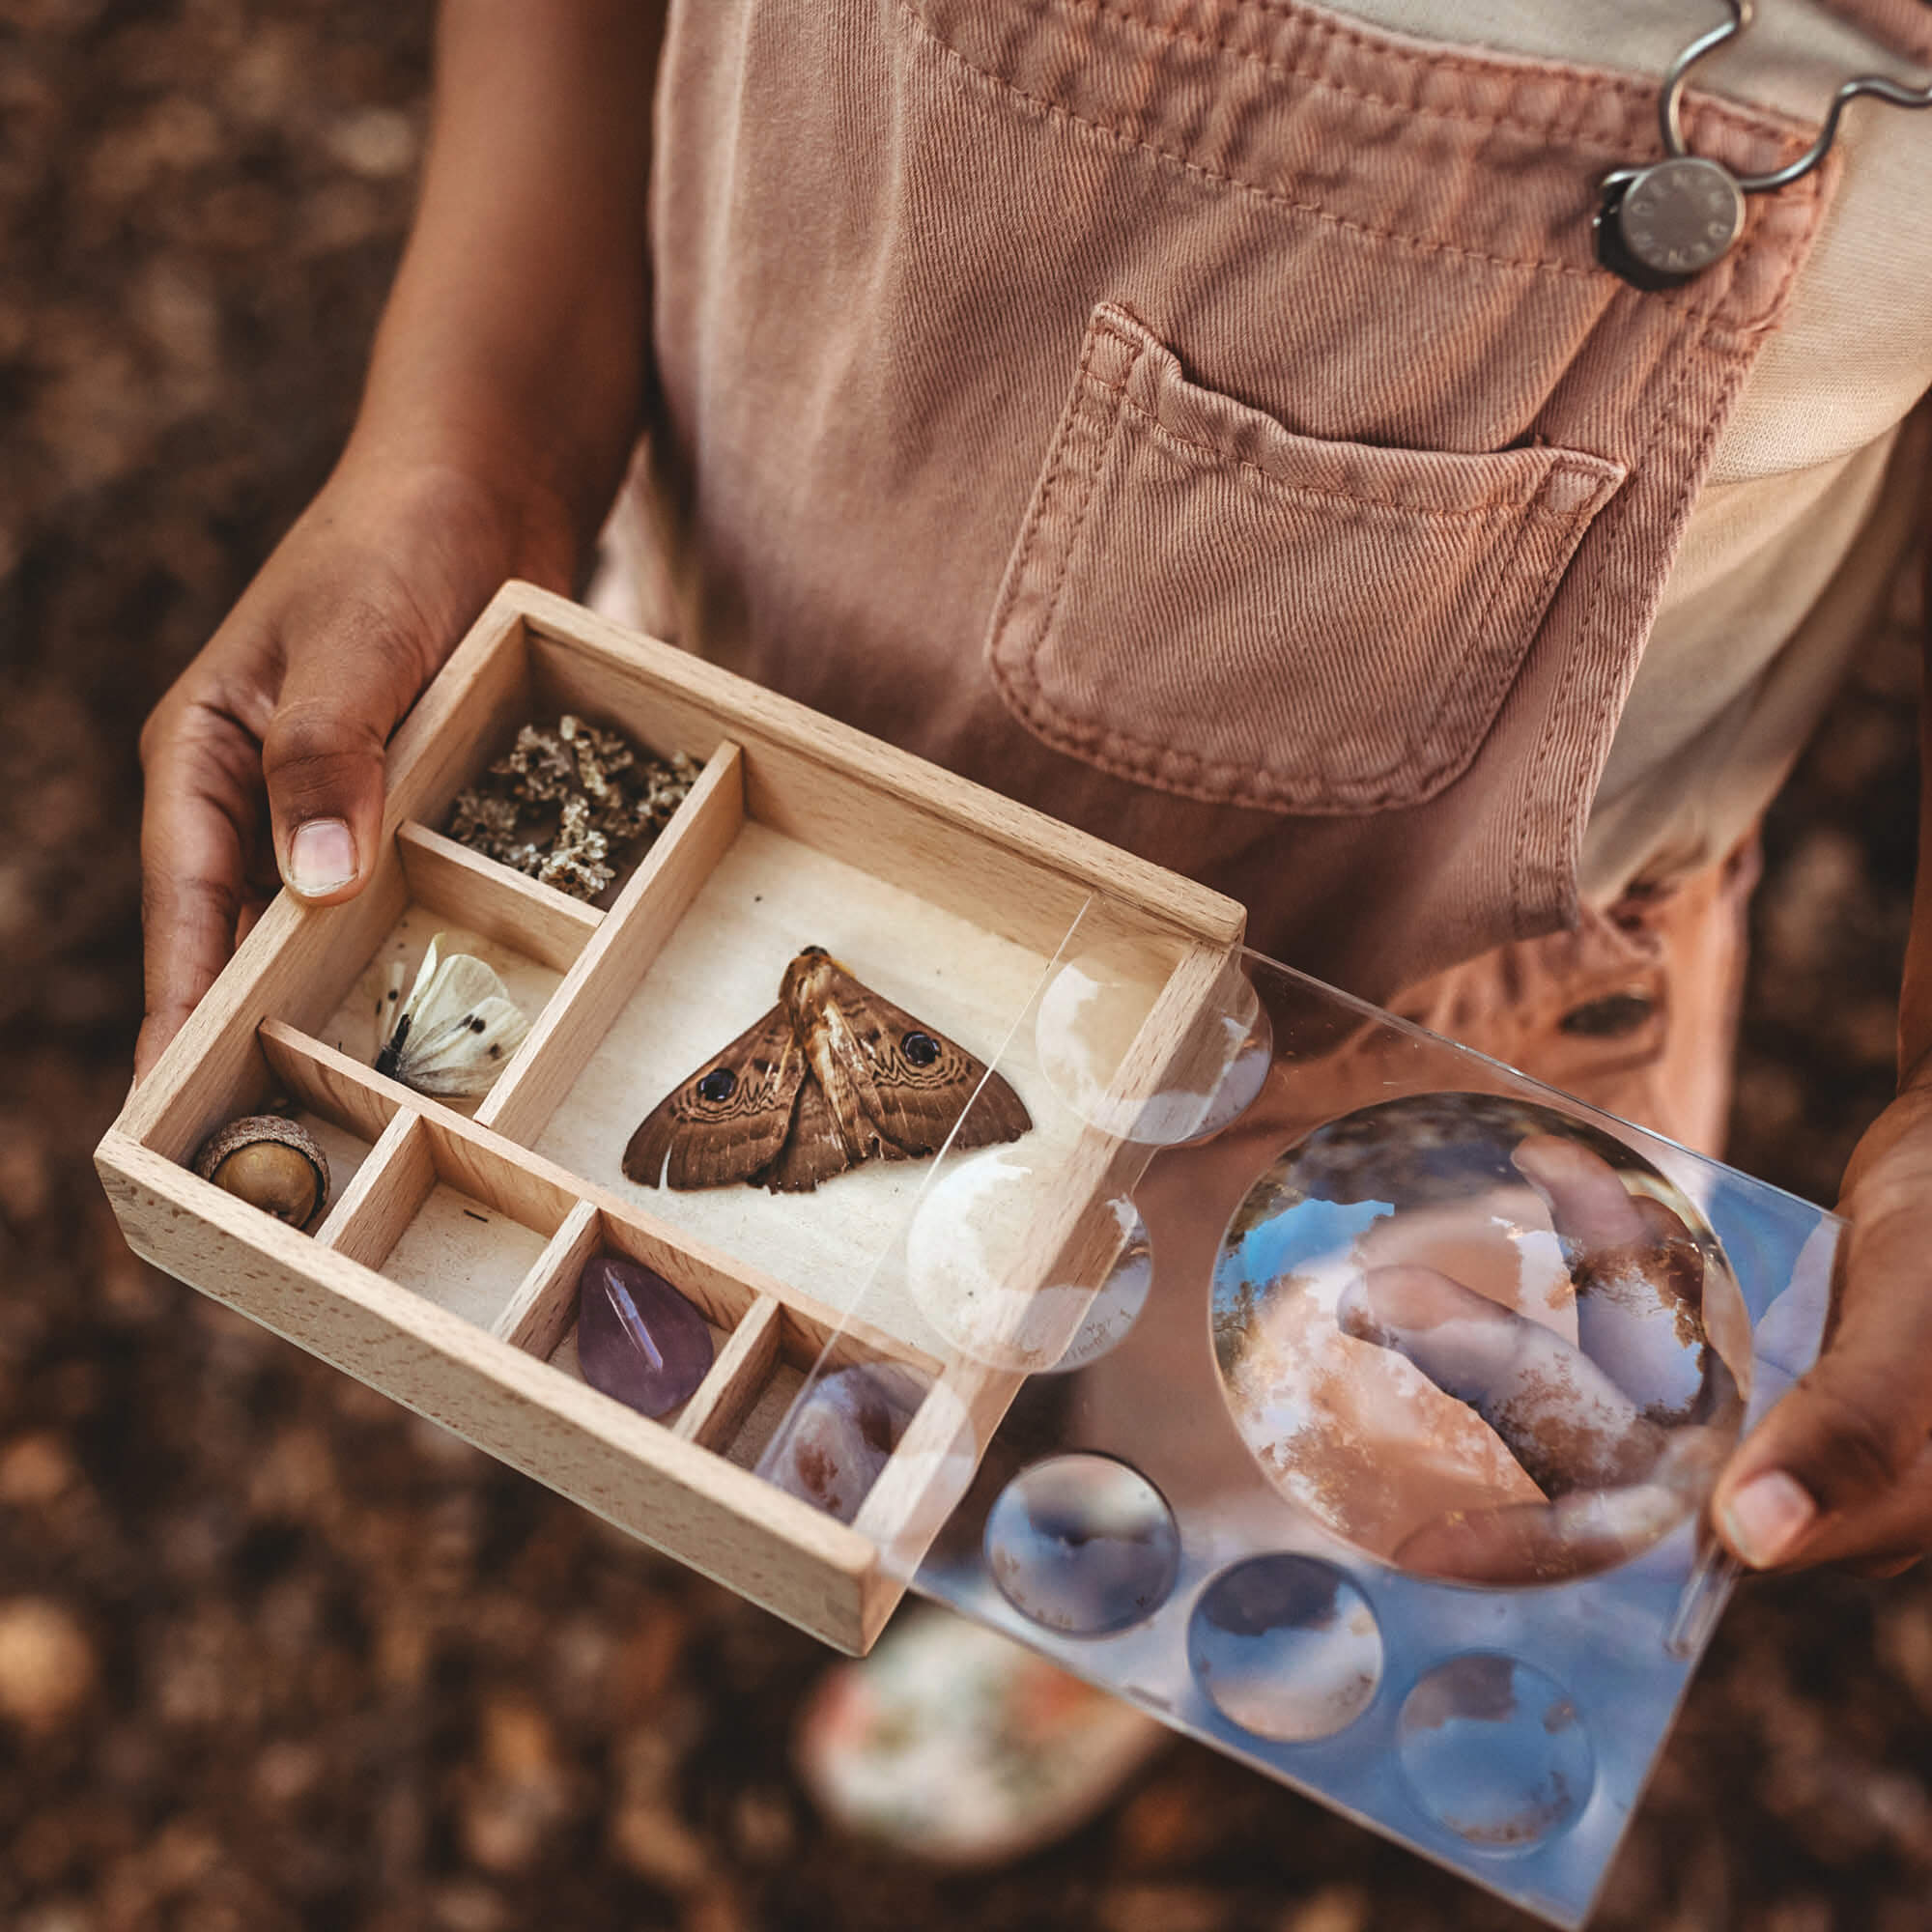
(1339, 1396)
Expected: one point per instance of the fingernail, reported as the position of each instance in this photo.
(321, 856)
(1765, 1519)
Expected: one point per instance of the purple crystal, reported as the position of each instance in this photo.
(839, 1438)
(638, 1338)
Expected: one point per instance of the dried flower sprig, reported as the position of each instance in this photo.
(569, 806)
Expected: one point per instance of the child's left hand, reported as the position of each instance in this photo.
(1841, 1469)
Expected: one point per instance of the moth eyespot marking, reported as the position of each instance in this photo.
(720, 1084)
(474, 1023)
(495, 1053)
(921, 1048)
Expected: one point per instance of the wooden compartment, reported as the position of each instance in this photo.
(444, 1270)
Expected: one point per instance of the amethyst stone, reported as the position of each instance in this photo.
(638, 1338)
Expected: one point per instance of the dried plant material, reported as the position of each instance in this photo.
(568, 806)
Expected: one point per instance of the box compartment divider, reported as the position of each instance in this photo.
(677, 1496)
(496, 1176)
(628, 938)
(359, 1098)
(496, 900)
(831, 787)
(540, 1313)
(388, 1192)
(718, 1408)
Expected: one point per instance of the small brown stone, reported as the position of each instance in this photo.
(46, 1663)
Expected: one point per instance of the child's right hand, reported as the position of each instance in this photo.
(266, 756)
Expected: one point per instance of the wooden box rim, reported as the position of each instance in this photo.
(769, 758)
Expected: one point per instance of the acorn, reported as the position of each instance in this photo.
(270, 1163)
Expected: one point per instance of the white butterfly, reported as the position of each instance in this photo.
(456, 1029)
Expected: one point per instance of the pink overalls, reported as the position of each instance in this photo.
(1207, 420)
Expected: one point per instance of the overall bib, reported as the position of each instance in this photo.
(1207, 421)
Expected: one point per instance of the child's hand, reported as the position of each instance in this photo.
(266, 758)
(502, 401)
(1841, 1469)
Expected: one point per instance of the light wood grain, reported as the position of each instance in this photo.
(541, 1312)
(383, 1199)
(468, 715)
(1006, 872)
(1011, 869)
(646, 913)
(675, 1495)
(212, 1069)
(332, 1085)
(497, 1174)
(737, 1378)
(298, 961)
(496, 900)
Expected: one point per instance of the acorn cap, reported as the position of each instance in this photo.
(271, 1163)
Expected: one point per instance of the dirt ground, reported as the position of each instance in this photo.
(274, 1655)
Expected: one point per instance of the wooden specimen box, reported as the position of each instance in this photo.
(444, 1270)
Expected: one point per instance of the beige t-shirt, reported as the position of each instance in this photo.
(1814, 491)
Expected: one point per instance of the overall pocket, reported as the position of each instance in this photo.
(1202, 600)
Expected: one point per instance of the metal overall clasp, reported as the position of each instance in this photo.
(1662, 223)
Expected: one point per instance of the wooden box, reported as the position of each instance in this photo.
(444, 1273)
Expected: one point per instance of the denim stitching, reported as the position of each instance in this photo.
(1117, 750)
(1004, 675)
(1719, 415)
(1421, 244)
(1640, 94)
(1102, 448)
(1227, 460)
(1543, 130)
(1572, 666)
(1131, 756)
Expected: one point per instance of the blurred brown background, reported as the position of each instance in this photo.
(274, 1655)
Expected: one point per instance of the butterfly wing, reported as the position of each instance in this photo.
(456, 1029)
(916, 1084)
(710, 1130)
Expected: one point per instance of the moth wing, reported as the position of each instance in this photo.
(918, 1105)
(465, 1059)
(457, 1028)
(426, 972)
(997, 1113)
(688, 1141)
(389, 1007)
(813, 1151)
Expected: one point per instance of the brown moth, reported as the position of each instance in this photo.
(832, 1076)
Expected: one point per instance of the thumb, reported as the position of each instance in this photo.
(1842, 1468)
(323, 761)
(1844, 1452)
